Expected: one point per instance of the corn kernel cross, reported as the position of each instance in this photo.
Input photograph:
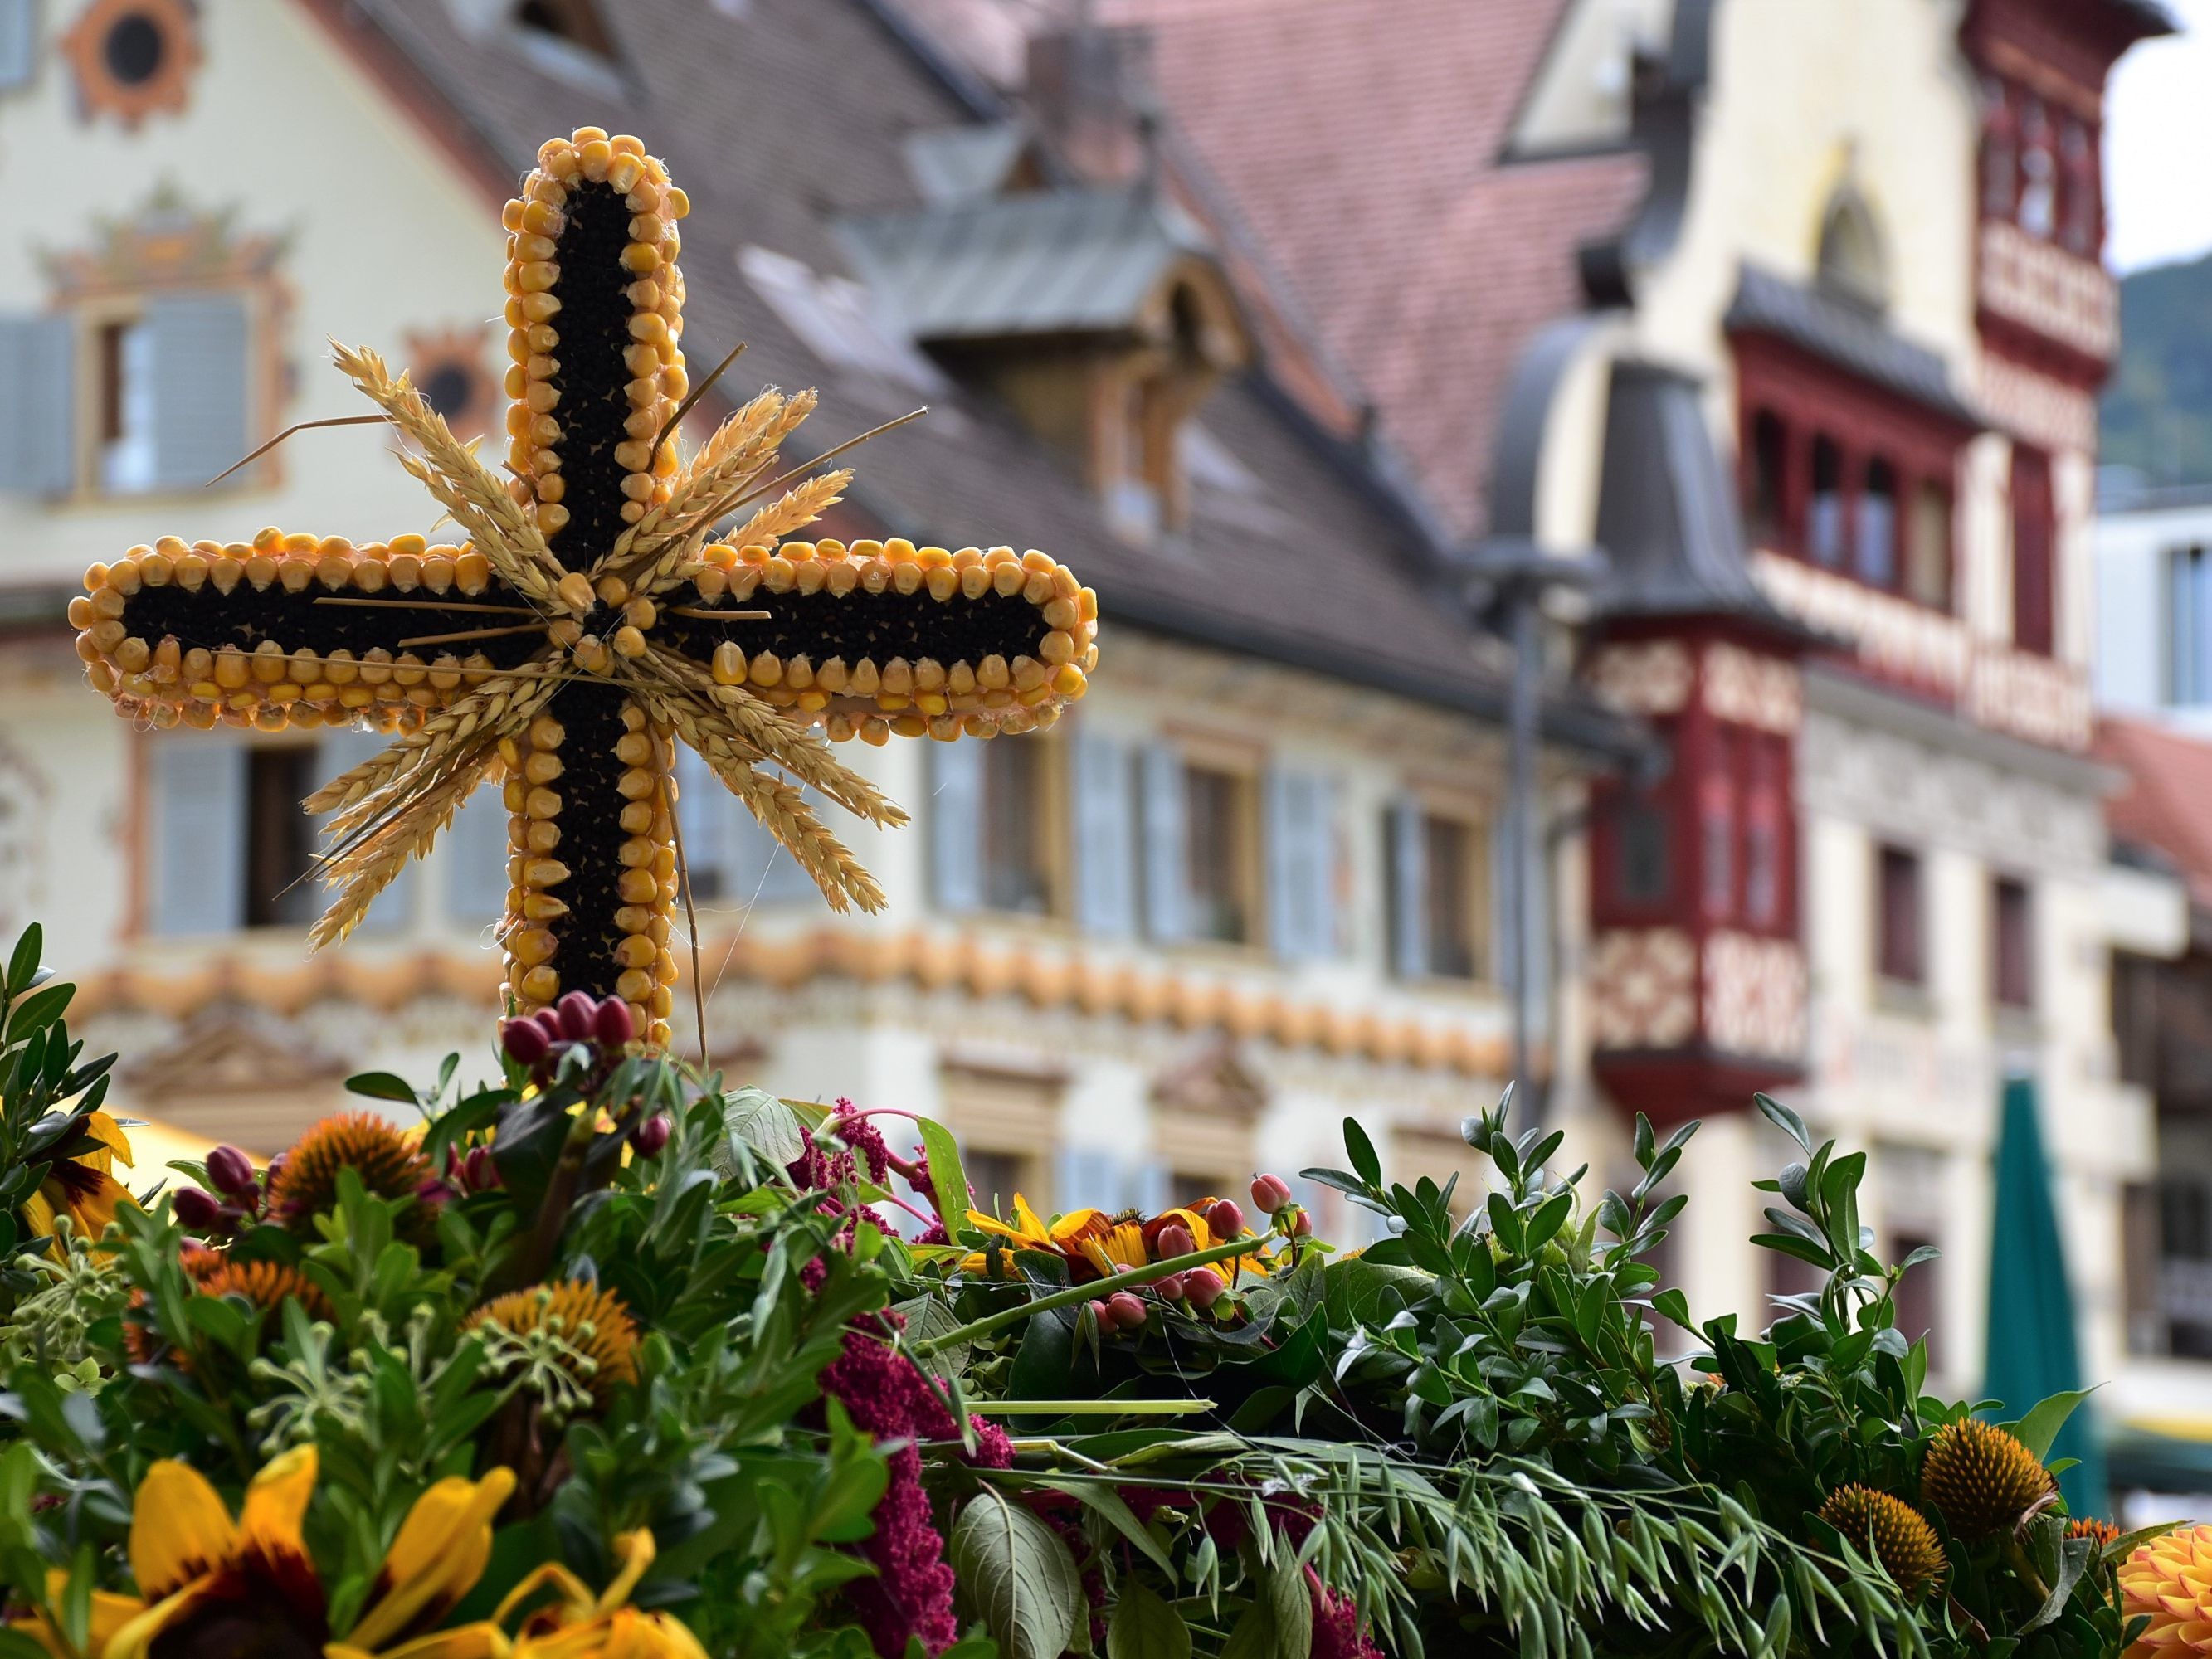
(592, 619)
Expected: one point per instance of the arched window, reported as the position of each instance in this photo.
(1853, 262)
(1877, 529)
(1823, 525)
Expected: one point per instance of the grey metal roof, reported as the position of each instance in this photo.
(1045, 262)
(1666, 513)
(1848, 336)
(953, 164)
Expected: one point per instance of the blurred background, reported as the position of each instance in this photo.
(1653, 549)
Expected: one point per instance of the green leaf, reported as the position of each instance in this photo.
(767, 1126)
(1143, 1627)
(948, 1181)
(1361, 1151)
(2075, 1555)
(1017, 1575)
(1358, 1290)
(1253, 1636)
(382, 1085)
(1290, 1608)
(24, 964)
(1110, 1504)
(2040, 1426)
(1784, 1119)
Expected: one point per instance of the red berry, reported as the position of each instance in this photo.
(650, 1137)
(1171, 1287)
(524, 1041)
(1303, 1226)
(1172, 1241)
(477, 1170)
(1269, 1194)
(577, 1011)
(1104, 1315)
(550, 1022)
(231, 1171)
(1129, 1311)
(612, 1024)
(1224, 1219)
(1203, 1287)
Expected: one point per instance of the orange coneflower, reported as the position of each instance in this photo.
(1983, 1480)
(1897, 1534)
(389, 1162)
(592, 1322)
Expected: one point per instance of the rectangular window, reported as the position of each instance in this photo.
(2189, 627)
(1928, 547)
(2034, 552)
(1765, 510)
(123, 361)
(1218, 862)
(1824, 527)
(2012, 944)
(1642, 874)
(997, 1175)
(279, 837)
(1016, 838)
(1451, 865)
(1898, 953)
(1876, 537)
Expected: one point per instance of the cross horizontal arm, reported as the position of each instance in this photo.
(880, 637)
(295, 629)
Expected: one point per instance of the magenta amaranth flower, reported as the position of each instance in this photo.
(1336, 1631)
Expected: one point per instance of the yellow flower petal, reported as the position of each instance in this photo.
(179, 1530)
(276, 1504)
(482, 1640)
(1077, 1223)
(109, 1133)
(636, 1551)
(38, 1214)
(1026, 1219)
(110, 1614)
(436, 1559)
(134, 1640)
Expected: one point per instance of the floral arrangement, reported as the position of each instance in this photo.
(606, 1358)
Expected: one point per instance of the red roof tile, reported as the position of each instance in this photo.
(1360, 141)
(2168, 803)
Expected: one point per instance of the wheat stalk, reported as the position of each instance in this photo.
(410, 833)
(648, 557)
(488, 706)
(469, 490)
(795, 509)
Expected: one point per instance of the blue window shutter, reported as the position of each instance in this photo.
(707, 812)
(1105, 837)
(1409, 882)
(18, 42)
(340, 752)
(474, 852)
(1164, 907)
(199, 806)
(1300, 849)
(38, 423)
(201, 390)
(1153, 1189)
(956, 822)
(1088, 1177)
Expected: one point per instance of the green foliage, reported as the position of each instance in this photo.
(1493, 1432)
(2156, 410)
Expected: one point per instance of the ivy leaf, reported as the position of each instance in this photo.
(1143, 1627)
(1018, 1575)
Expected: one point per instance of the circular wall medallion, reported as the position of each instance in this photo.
(133, 59)
(447, 367)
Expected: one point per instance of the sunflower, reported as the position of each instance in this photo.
(593, 1325)
(1063, 1237)
(388, 1160)
(578, 1624)
(210, 1584)
(82, 1187)
(1117, 1248)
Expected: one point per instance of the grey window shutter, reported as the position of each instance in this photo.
(473, 854)
(38, 423)
(18, 42)
(1105, 837)
(956, 822)
(1088, 1177)
(1301, 906)
(1409, 883)
(200, 804)
(1164, 905)
(707, 812)
(1154, 1187)
(339, 752)
(201, 390)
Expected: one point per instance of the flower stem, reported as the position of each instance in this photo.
(1098, 1287)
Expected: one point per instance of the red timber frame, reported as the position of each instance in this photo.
(1867, 427)
(1727, 809)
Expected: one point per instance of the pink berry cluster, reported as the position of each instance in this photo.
(603, 1030)
(240, 1195)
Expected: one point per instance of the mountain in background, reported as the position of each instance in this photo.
(2157, 407)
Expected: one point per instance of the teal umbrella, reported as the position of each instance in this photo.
(2032, 1352)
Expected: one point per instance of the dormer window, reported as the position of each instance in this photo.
(1098, 315)
(1853, 262)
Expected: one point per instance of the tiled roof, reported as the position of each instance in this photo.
(1372, 173)
(793, 115)
(2169, 780)
(1854, 339)
(1043, 262)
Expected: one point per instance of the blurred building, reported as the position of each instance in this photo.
(1793, 317)
(1246, 891)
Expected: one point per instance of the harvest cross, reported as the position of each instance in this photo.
(590, 620)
